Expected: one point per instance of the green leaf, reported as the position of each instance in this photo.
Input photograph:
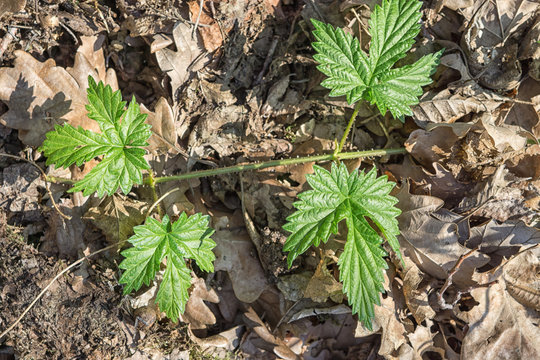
(342, 60)
(187, 238)
(352, 73)
(400, 88)
(121, 141)
(355, 197)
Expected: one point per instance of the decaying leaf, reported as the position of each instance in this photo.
(490, 40)
(323, 285)
(180, 64)
(41, 94)
(116, 216)
(500, 327)
(448, 106)
(236, 255)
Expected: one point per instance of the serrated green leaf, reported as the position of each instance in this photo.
(186, 238)
(342, 60)
(400, 88)
(121, 141)
(354, 197)
(393, 27)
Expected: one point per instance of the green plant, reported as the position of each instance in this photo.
(338, 195)
(358, 76)
(361, 199)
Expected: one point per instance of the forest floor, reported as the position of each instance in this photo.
(235, 82)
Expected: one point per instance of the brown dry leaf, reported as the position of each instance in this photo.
(236, 254)
(501, 197)
(197, 313)
(164, 136)
(500, 327)
(19, 192)
(11, 6)
(422, 342)
(433, 237)
(270, 342)
(210, 34)
(490, 40)
(449, 105)
(531, 50)
(524, 115)
(429, 147)
(41, 94)
(116, 216)
(522, 279)
(181, 64)
(416, 290)
(323, 285)
(506, 239)
(387, 321)
(504, 136)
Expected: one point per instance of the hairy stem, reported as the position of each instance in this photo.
(274, 163)
(256, 166)
(347, 131)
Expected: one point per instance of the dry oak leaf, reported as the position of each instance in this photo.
(500, 327)
(41, 94)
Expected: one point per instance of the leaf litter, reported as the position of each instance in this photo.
(242, 86)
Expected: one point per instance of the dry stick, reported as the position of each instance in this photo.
(198, 19)
(440, 300)
(4, 333)
(268, 60)
(45, 178)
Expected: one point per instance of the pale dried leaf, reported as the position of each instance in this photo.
(236, 255)
(179, 64)
(116, 216)
(448, 106)
(500, 327)
(41, 94)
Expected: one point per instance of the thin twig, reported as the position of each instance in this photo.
(160, 199)
(12, 326)
(69, 32)
(44, 178)
(201, 4)
(268, 60)
(442, 303)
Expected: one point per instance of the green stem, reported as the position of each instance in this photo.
(347, 131)
(255, 166)
(274, 163)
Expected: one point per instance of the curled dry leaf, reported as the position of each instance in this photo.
(198, 315)
(116, 216)
(490, 40)
(180, 64)
(236, 255)
(41, 94)
(448, 106)
(500, 327)
(433, 237)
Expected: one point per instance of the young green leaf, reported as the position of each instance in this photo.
(121, 141)
(187, 238)
(351, 72)
(355, 197)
